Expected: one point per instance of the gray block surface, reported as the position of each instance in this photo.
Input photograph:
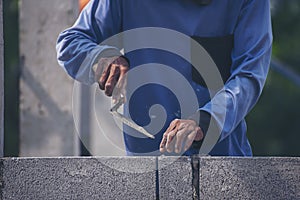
(135, 178)
(250, 178)
(78, 178)
(175, 178)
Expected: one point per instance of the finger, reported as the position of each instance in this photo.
(123, 73)
(120, 88)
(189, 140)
(173, 124)
(116, 94)
(163, 144)
(98, 71)
(199, 134)
(180, 136)
(103, 77)
(121, 61)
(172, 134)
(123, 87)
(183, 124)
(170, 145)
(112, 79)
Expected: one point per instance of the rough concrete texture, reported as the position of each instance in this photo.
(135, 178)
(78, 178)
(175, 178)
(250, 178)
(1, 83)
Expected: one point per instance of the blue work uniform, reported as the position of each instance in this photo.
(236, 34)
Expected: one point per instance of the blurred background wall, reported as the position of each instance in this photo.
(45, 92)
(38, 112)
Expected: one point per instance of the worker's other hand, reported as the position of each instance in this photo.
(180, 135)
(111, 76)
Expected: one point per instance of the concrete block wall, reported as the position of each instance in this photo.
(150, 178)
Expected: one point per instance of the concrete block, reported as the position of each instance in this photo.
(249, 178)
(78, 178)
(136, 178)
(175, 178)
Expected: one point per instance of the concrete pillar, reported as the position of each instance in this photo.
(46, 121)
(46, 91)
(1, 83)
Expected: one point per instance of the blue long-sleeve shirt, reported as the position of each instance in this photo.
(236, 34)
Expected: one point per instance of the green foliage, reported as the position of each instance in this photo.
(11, 74)
(286, 30)
(274, 124)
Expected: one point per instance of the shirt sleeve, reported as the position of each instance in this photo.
(78, 47)
(250, 65)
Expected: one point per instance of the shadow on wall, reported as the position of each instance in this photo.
(49, 113)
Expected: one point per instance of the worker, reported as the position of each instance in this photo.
(236, 34)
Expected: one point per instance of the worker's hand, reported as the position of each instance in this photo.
(111, 76)
(180, 136)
